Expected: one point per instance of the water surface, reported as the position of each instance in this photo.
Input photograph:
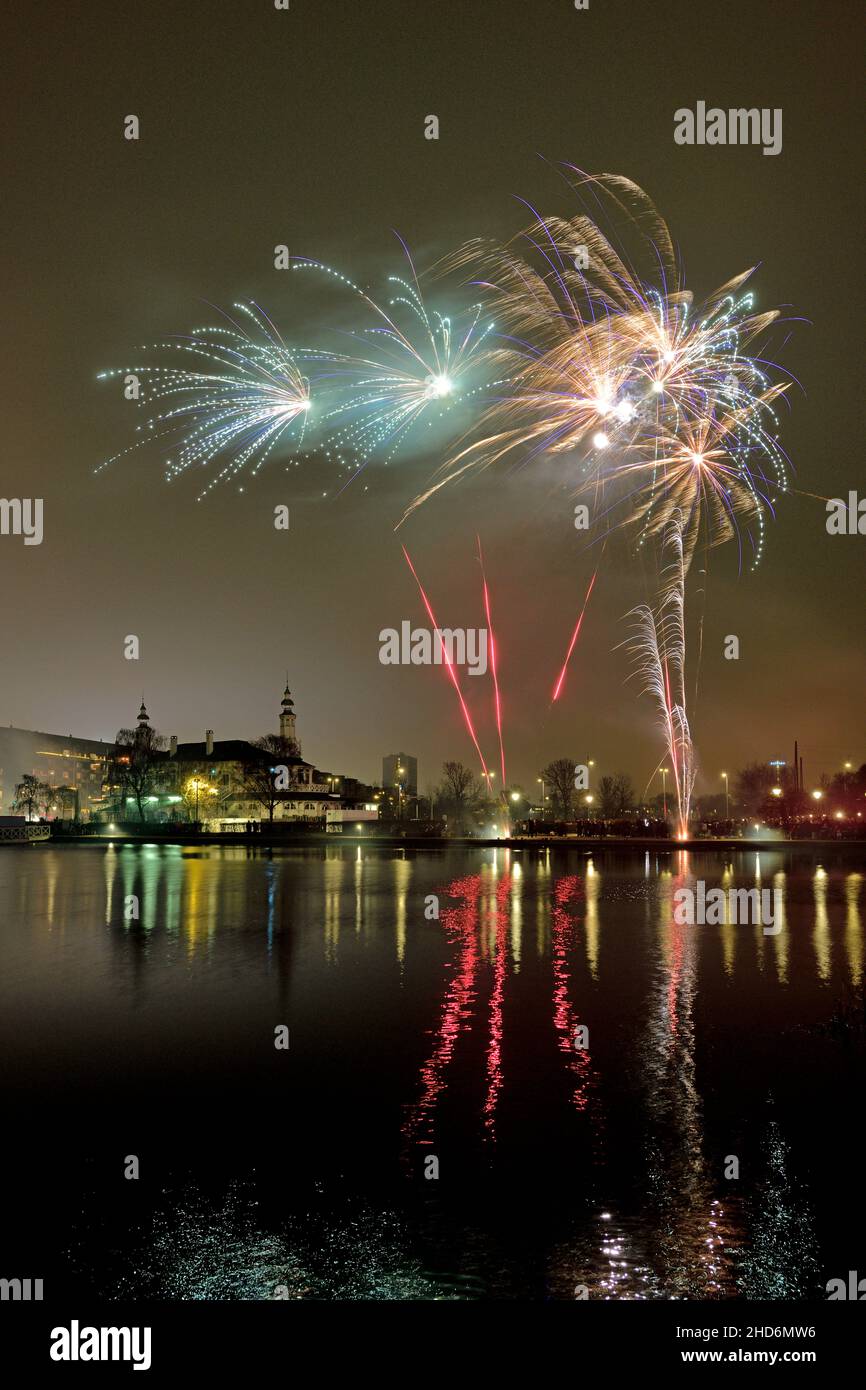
(583, 1074)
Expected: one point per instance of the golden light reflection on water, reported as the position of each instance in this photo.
(778, 944)
(401, 878)
(593, 923)
(517, 915)
(853, 927)
(821, 930)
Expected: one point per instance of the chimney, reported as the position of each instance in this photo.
(802, 783)
(208, 742)
(172, 746)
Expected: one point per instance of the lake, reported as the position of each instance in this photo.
(508, 1075)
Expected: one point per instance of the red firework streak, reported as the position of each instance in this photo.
(449, 667)
(574, 637)
(496, 699)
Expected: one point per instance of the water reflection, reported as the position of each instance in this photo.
(555, 1029)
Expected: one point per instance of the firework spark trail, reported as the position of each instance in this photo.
(574, 636)
(658, 648)
(449, 667)
(242, 393)
(497, 701)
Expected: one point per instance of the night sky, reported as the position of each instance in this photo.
(305, 127)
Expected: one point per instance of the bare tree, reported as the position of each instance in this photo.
(459, 793)
(136, 763)
(616, 795)
(32, 796)
(267, 779)
(559, 777)
(753, 786)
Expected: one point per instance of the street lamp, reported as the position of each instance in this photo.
(817, 796)
(589, 800)
(664, 773)
(195, 785)
(725, 775)
(543, 796)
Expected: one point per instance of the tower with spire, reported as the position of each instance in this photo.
(143, 728)
(287, 717)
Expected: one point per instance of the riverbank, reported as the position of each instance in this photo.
(269, 840)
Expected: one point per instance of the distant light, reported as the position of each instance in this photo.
(515, 796)
(817, 795)
(839, 815)
(600, 440)
(777, 791)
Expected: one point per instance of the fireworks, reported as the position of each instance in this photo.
(245, 389)
(658, 649)
(240, 395)
(407, 368)
(609, 367)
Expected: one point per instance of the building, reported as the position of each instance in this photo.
(400, 770)
(226, 783)
(74, 765)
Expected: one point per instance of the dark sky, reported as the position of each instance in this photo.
(306, 128)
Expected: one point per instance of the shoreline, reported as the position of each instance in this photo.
(431, 842)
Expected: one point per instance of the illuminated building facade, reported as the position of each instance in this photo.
(214, 781)
(75, 765)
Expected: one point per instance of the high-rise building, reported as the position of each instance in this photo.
(400, 770)
(59, 760)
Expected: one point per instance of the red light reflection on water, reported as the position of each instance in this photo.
(565, 1018)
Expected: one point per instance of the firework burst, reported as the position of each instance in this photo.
(408, 368)
(608, 365)
(232, 393)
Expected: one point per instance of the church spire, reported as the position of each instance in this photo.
(287, 715)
